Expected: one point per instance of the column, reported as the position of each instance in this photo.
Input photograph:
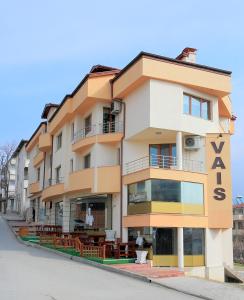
(179, 155)
(66, 214)
(180, 240)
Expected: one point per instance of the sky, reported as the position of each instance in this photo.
(47, 46)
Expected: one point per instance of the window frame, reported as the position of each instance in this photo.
(72, 131)
(201, 100)
(88, 155)
(88, 127)
(59, 139)
(57, 174)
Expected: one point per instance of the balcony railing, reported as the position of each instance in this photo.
(164, 162)
(51, 182)
(102, 128)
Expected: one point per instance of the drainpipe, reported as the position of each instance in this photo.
(121, 164)
(121, 172)
(51, 165)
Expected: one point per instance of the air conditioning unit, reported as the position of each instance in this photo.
(116, 107)
(192, 142)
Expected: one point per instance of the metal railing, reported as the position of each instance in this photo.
(164, 162)
(101, 128)
(50, 182)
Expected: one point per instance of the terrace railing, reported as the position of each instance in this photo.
(164, 162)
(101, 128)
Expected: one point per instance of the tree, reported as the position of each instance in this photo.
(6, 152)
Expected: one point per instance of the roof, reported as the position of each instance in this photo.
(40, 125)
(172, 60)
(47, 108)
(238, 205)
(92, 73)
(105, 70)
(19, 147)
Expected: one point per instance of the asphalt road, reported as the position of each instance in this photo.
(27, 273)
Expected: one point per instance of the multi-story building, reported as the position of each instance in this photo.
(21, 182)
(144, 151)
(238, 232)
(8, 177)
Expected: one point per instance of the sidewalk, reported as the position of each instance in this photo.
(170, 278)
(202, 288)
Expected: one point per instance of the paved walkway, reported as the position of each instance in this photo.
(27, 273)
(150, 272)
(204, 288)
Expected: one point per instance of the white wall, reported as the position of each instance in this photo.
(166, 109)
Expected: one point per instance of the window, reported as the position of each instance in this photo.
(240, 225)
(165, 241)
(196, 107)
(72, 133)
(59, 141)
(88, 124)
(71, 165)
(58, 174)
(193, 241)
(38, 174)
(26, 173)
(87, 161)
(166, 191)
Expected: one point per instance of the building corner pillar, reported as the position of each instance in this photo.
(179, 155)
(180, 240)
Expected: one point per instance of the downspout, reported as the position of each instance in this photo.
(121, 172)
(51, 162)
(121, 165)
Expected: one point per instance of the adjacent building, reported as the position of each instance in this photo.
(238, 232)
(21, 181)
(144, 151)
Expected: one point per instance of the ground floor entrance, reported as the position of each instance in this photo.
(171, 246)
(93, 213)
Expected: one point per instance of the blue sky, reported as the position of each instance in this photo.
(48, 46)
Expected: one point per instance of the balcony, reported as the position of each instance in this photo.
(164, 162)
(45, 142)
(163, 167)
(38, 159)
(34, 188)
(107, 181)
(53, 188)
(109, 132)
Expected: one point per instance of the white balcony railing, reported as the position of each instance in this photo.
(50, 182)
(102, 128)
(164, 162)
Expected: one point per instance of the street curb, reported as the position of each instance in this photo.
(105, 267)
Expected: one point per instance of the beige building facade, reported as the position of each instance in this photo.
(143, 151)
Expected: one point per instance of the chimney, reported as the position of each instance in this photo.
(188, 55)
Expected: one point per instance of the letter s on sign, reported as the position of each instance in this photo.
(219, 194)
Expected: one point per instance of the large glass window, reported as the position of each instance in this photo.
(139, 192)
(165, 241)
(194, 241)
(191, 193)
(166, 191)
(94, 213)
(59, 213)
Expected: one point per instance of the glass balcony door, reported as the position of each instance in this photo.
(162, 155)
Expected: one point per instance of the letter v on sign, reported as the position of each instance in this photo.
(217, 149)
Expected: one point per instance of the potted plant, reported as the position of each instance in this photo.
(141, 255)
